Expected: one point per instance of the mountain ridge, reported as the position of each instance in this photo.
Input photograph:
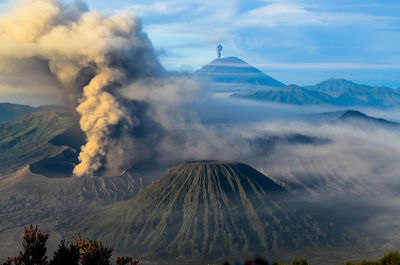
(232, 74)
(291, 94)
(10, 111)
(358, 118)
(350, 93)
(26, 139)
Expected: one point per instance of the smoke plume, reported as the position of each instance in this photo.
(92, 55)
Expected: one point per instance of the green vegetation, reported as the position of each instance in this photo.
(26, 138)
(82, 252)
(390, 258)
(9, 111)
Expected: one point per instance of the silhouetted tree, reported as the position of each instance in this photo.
(34, 248)
(126, 261)
(260, 261)
(93, 252)
(83, 252)
(66, 254)
(390, 258)
(11, 261)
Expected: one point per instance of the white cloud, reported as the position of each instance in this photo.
(276, 14)
(330, 66)
(157, 8)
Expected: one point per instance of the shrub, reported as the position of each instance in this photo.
(34, 248)
(83, 252)
(66, 254)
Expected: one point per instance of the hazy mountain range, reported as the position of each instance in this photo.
(207, 208)
(233, 75)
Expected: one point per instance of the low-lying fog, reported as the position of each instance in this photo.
(348, 166)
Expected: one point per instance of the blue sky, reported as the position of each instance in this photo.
(295, 41)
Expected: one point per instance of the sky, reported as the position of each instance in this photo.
(295, 41)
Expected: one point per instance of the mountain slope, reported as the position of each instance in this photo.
(232, 71)
(207, 209)
(357, 118)
(289, 95)
(26, 139)
(337, 92)
(348, 93)
(27, 198)
(333, 87)
(9, 111)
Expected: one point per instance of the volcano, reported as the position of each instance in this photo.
(232, 71)
(207, 209)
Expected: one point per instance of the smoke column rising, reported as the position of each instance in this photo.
(219, 50)
(92, 54)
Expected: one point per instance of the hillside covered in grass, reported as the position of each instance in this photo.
(26, 138)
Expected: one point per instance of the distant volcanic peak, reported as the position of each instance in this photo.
(212, 162)
(229, 65)
(232, 70)
(230, 61)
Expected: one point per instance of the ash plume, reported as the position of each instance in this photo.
(92, 55)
